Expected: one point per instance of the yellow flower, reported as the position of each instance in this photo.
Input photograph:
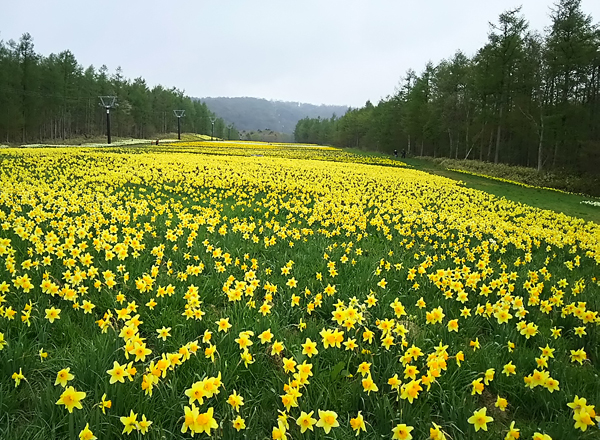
(583, 419)
(63, 376)
(511, 346)
(18, 377)
(52, 314)
(305, 421)
(547, 351)
(368, 335)
(453, 325)
(551, 384)
(71, 398)
(350, 344)
(357, 423)
(86, 433)
(480, 419)
(278, 433)
(436, 433)
(364, 368)
(205, 422)
(239, 423)
(276, 348)
(196, 392)
(235, 400)
(577, 403)
(105, 404)
(118, 373)
(209, 352)
(402, 432)
(477, 386)
(327, 420)
(309, 348)
(369, 385)
(189, 421)
(578, 356)
(224, 324)
(460, 357)
(513, 433)
(501, 403)
(163, 333)
(265, 336)
(129, 422)
(410, 372)
(388, 341)
(411, 390)
(143, 425)
(247, 357)
(140, 351)
(509, 369)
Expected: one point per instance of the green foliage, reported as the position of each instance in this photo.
(54, 98)
(528, 176)
(523, 99)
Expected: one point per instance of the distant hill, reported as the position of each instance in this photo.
(250, 114)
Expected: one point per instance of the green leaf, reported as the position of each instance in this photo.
(335, 372)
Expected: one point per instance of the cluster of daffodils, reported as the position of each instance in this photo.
(252, 270)
(584, 415)
(275, 149)
(196, 421)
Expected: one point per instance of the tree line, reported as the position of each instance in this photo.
(53, 97)
(524, 98)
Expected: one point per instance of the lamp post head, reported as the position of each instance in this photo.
(108, 101)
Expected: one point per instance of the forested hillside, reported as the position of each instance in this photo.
(251, 114)
(524, 98)
(54, 97)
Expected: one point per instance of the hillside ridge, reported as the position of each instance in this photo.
(248, 113)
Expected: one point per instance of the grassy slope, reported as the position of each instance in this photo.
(569, 204)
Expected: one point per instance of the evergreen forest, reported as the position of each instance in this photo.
(525, 98)
(49, 98)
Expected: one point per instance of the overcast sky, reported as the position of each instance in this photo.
(315, 51)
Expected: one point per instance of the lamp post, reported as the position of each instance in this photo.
(179, 114)
(108, 102)
(212, 133)
(230, 126)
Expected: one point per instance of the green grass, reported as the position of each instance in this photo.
(568, 204)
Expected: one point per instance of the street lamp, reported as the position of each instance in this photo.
(179, 114)
(230, 126)
(108, 102)
(212, 133)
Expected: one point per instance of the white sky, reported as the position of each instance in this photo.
(315, 51)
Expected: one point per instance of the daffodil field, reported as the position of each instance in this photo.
(255, 291)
